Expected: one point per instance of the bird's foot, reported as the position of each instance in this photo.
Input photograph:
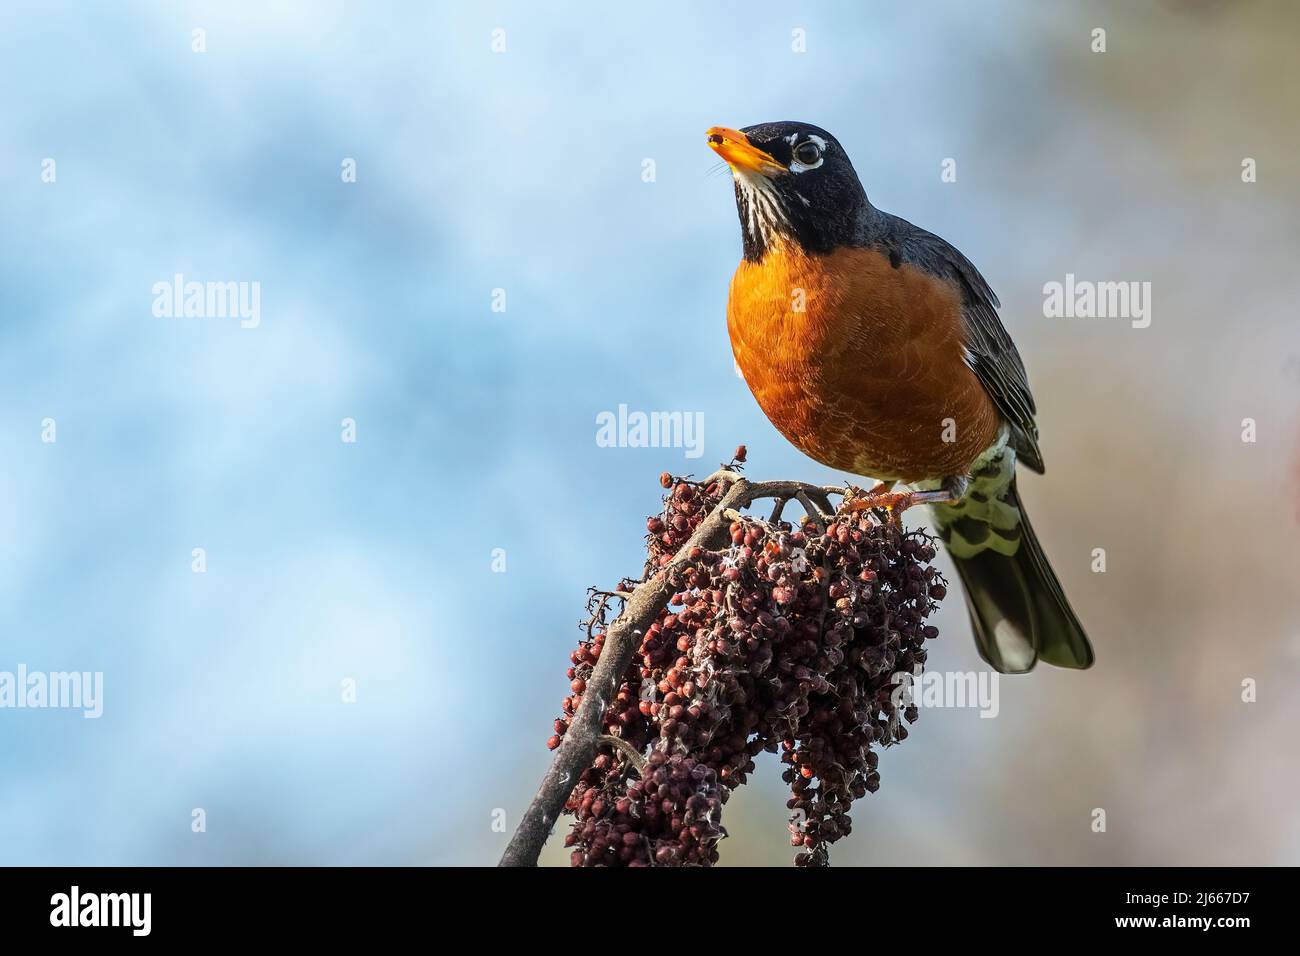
(894, 503)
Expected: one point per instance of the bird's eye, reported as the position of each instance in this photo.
(807, 153)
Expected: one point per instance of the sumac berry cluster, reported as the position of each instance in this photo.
(789, 640)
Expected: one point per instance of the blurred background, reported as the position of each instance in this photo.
(522, 170)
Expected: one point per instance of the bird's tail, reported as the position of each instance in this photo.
(1018, 610)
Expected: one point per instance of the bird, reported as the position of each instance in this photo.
(876, 348)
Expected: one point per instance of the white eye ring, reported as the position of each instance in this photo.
(798, 165)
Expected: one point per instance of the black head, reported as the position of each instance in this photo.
(794, 182)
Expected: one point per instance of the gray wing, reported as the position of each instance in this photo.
(993, 355)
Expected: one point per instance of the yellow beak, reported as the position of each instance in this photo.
(735, 148)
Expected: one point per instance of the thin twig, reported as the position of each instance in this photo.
(634, 756)
(812, 510)
(821, 498)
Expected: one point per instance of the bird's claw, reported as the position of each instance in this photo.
(893, 503)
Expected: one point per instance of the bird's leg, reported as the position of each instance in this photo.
(855, 493)
(880, 496)
(896, 502)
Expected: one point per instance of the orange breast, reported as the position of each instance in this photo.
(860, 364)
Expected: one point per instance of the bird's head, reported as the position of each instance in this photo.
(794, 183)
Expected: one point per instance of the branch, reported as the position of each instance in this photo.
(578, 746)
(631, 753)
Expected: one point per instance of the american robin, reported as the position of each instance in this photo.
(876, 348)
